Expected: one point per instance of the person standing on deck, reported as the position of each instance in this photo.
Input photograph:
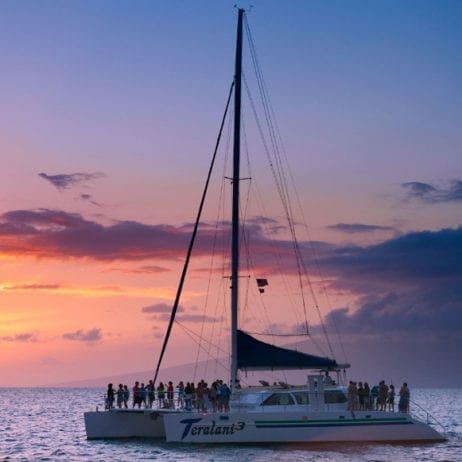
(224, 396)
(136, 394)
(143, 394)
(391, 398)
(367, 396)
(126, 396)
(383, 395)
(188, 397)
(151, 394)
(352, 396)
(361, 396)
(180, 391)
(161, 395)
(110, 397)
(404, 398)
(170, 393)
(120, 395)
(213, 393)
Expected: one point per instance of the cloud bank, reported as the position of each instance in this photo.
(354, 228)
(26, 337)
(66, 180)
(89, 336)
(409, 283)
(430, 194)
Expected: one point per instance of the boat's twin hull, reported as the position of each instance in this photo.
(125, 423)
(320, 427)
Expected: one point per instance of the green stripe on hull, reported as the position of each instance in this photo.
(329, 423)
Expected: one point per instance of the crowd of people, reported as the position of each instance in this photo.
(380, 397)
(189, 397)
(204, 398)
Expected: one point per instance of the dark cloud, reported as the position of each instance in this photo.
(424, 257)
(89, 198)
(407, 285)
(450, 192)
(66, 180)
(353, 228)
(403, 290)
(147, 269)
(32, 287)
(270, 225)
(198, 318)
(410, 282)
(424, 313)
(162, 313)
(151, 269)
(57, 234)
(189, 318)
(159, 308)
(89, 336)
(20, 338)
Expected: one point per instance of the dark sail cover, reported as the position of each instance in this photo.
(253, 354)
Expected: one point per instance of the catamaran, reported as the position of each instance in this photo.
(315, 412)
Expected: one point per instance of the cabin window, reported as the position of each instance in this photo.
(278, 399)
(250, 398)
(302, 398)
(334, 397)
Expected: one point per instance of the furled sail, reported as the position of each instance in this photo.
(256, 355)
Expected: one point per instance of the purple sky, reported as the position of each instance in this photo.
(110, 113)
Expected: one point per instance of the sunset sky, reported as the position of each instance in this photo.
(109, 115)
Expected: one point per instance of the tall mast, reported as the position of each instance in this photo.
(235, 205)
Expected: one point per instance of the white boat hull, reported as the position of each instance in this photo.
(297, 427)
(125, 423)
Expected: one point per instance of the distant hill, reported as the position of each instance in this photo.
(395, 362)
(175, 374)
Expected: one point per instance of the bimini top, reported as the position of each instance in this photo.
(252, 354)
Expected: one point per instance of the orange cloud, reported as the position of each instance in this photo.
(21, 338)
(90, 336)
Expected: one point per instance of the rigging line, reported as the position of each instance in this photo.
(314, 257)
(284, 200)
(278, 172)
(221, 299)
(217, 228)
(219, 231)
(274, 134)
(195, 337)
(249, 263)
(193, 238)
(264, 95)
(191, 335)
(274, 131)
(265, 144)
(324, 290)
(277, 335)
(247, 237)
(271, 123)
(260, 202)
(207, 292)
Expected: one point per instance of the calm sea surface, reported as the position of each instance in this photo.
(47, 424)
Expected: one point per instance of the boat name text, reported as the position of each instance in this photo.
(214, 429)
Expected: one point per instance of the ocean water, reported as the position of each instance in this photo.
(46, 424)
